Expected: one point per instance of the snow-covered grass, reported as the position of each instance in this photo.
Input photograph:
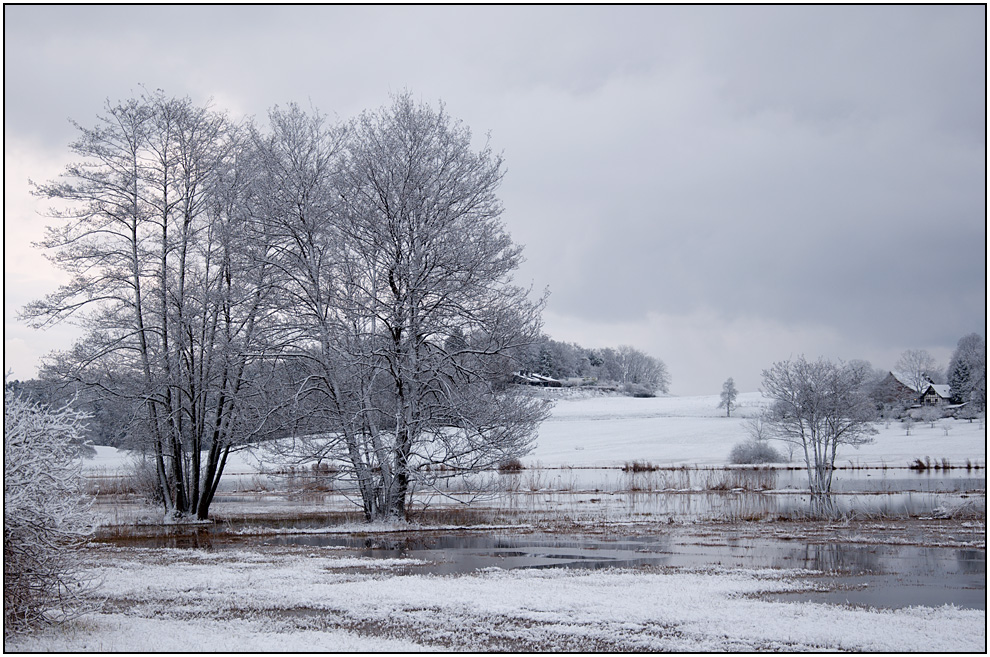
(612, 431)
(304, 600)
(287, 599)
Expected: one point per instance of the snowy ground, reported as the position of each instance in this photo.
(612, 431)
(261, 598)
(311, 599)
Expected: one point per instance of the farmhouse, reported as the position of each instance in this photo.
(897, 389)
(531, 379)
(936, 395)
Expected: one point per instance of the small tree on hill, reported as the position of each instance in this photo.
(729, 394)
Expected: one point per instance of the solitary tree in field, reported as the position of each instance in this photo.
(401, 313)
(818, 406)
(728, 397)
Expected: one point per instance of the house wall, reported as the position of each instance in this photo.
(890, 391)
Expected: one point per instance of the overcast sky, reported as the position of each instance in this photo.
(722, 187)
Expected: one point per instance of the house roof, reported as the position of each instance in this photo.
(941, 389)
(905, 380)
(532, 377)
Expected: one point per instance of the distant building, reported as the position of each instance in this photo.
(897, 390)
(531, 379)
(936, 395)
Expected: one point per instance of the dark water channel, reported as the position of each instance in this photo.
(873, 575)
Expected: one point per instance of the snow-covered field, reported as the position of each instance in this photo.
(612, 431)
(293, 599)
(312, 600)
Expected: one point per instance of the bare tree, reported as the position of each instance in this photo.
(633, 369)
(728, 396)
(818, 407)
(170, 281)
(919, 367)
(43, 520)
(639, 368)
(402, 313)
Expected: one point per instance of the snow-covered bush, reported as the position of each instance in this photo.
(638, 390)
(753, 452)
(928, 414)
(44, 520)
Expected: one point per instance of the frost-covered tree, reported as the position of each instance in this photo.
(929, 414)
(170, 280)
(44, 520)
(728, 396)
(967, 373)
(818, 406)
(401, 312)
(639, 368)
(919, 367)
(633, 369)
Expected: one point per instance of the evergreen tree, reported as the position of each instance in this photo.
(968, 371)
(729, 394)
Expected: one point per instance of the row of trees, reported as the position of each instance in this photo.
(624, 365)
(346, 282)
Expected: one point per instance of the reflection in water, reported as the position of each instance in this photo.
(972, 561)
(721, 506)
(667, 502)
(879, 575)
(838, 557)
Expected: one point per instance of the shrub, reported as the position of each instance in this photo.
(638, 390)
(636, 466)
(43, 520)
(142, 480)
(509, 466)
(754, 451)
(929, 414)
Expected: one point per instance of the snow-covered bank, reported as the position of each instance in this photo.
(314, 600)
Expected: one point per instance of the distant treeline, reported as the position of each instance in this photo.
(625, 367)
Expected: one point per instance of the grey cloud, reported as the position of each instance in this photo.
(822, 166)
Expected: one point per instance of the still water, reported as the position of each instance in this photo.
(667, 502)
(871, 575)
